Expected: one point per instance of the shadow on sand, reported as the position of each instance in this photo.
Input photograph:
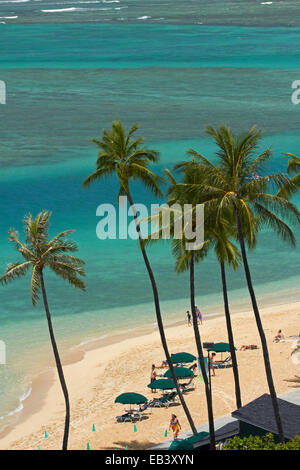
(132, 445)
(295, 381)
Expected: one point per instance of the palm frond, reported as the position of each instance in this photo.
(269, 219)
(15, 271)
(99, 174)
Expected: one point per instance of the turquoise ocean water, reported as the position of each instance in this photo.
(68, 74)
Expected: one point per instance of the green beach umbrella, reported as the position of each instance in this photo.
(166, 433)
(134, 428)
(46, 435)
(182, 357)
(126, 448)
(221, 347)
(131, 399)
(88, 446)
(94, 429)
(180, 372)
(162, 384)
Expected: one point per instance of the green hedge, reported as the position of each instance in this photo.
(265, 442)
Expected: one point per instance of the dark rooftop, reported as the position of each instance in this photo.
(260, 413)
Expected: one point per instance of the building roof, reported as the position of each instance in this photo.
(260, 413)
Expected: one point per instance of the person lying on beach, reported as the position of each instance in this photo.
(193, 367)
(163, 364)
(140, 408)
(278, 337)
(248, 346)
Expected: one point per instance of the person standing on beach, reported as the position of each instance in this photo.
(199, 315)
(211, 363)
(153, 376)
(189, 316)
(175, 426)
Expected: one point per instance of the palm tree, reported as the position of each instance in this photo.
(129, 159)
(217, 236)
(185, 260)
(227, 254)
(176, 207)
(40, 253)
(234, 185)
(294, 183)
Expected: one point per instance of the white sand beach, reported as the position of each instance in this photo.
(123, 365)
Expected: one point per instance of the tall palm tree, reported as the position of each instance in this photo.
(227, 254)
(176, 207)
(185, 260)
(129, 160)
(40, 253)
(217, 236)
(235, 185)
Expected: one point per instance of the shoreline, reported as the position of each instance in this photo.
(41, 382)
(45, 401)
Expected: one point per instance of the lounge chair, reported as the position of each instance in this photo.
(188, 386)
(222, 364)
(171, 397)
(126, 417)
(159, 402)
(138, 413)
(165, 401)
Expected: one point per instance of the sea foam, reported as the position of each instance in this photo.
(74, 9)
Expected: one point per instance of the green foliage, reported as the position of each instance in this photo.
(293, 167)
(266, 442)
(39, 252)
(127, 158)
(232, 184)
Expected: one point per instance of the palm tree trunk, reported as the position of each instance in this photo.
(159, 317)
(260, 329)
(230, 338)
(200, 355)
(58, 364)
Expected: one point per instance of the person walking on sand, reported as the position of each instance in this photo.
(175, 426)
(153, 376)
(211, 363)
(189, 316)
(199, 315)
